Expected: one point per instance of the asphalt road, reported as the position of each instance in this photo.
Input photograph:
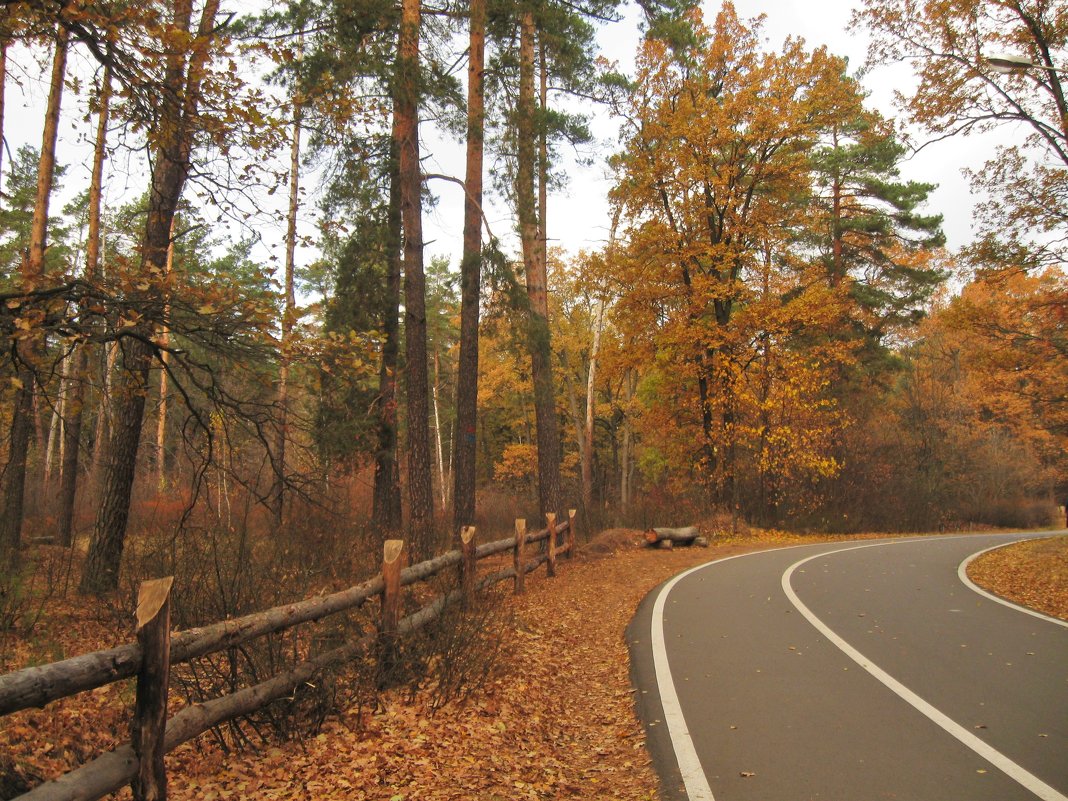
(850, 672)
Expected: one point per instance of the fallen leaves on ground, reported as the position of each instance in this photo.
(554, 720)
(1033, 573)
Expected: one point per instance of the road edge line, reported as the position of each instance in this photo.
(962, 574)
(693, 774)
(1014, 771)
(690, 768)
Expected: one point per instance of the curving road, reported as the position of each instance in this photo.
(851, 672)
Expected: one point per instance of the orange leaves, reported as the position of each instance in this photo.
(1007, 338)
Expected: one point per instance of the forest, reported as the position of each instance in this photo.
(774, 332)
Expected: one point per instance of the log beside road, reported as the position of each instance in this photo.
(670, 537)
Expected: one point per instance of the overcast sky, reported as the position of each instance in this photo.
(578, 217)
(578, 213)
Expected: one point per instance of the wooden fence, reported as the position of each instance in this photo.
(140, 762)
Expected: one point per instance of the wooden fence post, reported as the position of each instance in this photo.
(153, 682)
(571, 533)
(469, 566)
(393, 558)
(550, 565)
(519, 555)
(392, 564)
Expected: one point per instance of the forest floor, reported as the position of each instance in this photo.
(553, 717)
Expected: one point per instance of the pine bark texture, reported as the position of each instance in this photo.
(470, 278)
(548, 427)
(386, 499)
(420, 485)
(178, 105)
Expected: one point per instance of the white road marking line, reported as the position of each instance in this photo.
(693, 775)
(962, 574)
(992, 755)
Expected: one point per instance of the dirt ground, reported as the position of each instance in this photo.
(552, 719)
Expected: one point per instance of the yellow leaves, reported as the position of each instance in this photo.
(517, 464)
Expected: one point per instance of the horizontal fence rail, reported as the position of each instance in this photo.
(139, 763)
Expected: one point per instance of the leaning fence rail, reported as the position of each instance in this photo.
(139, 763)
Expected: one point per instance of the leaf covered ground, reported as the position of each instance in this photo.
(552, 719)
(1032, 573)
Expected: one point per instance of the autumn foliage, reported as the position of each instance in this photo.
(208, 369)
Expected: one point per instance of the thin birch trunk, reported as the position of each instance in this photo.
(164, 338)
(591, 382)
(104, 413)
(55, 426)
(443, 483)
(289, 317)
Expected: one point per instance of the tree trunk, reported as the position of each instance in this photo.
(591, 379)
(164, 341)
(55, 428)
(420, 485)
(288, 319)
(548, 434)
(31, 349)
(470, 278)
(386, 502)
(105, 549)
(104, 414)
(4, 45)
(443, 482)
(170, 167)
(543, 157)
(72, 433)
(625, 467)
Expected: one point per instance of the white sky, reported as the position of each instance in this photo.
(578, 216)
(578, 213)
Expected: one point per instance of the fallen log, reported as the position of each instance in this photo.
(670, 537)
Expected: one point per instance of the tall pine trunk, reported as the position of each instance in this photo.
(31, 350)
(178, 105)
(470, 278)
(386, 500)
(420, 484)
(548, 427)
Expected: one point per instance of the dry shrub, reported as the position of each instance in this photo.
(498, 511)
(227, 567)
(459, 650)
(1020, 513)
(44, 572)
